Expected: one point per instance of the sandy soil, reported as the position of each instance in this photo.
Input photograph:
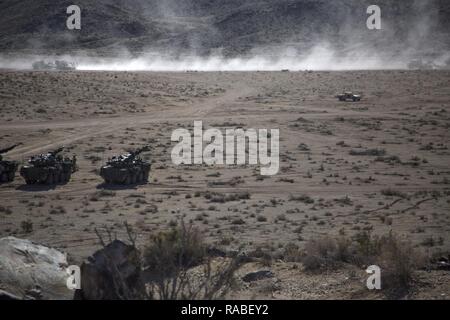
(96, 115)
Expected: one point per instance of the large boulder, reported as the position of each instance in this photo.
(112, 273)
(32, 271)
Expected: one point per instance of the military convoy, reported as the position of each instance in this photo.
(52, 168)
(420, 64)
(126, 169)
(348, 95)
(57, 65)
(7, 168)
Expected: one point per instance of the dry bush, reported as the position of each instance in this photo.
(302, 198)
(325, 254)
(368, 152)
(393, 193)
(170, 260)
(397, 258)
(27, 226)
(222, 198)
(291, 253)
(181, 247)
(176, 265)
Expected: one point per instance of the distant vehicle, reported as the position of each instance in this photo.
(50, 168)
(126, 169)
(57, 65)
(348, 96)
(7, 168)
(420, 64)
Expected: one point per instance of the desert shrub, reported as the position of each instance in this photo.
(176, 265)
(388, 159)
(27, 226)
(181, 247)
(325, 254)
(366, 248)
(238, 221)
(397, 258)
(41, 110)
(100, 194)
(393, 193)
(302, 198)
(261, 218)
(344, 201)
(368, 152)
(263, 254)
(179, 267)
(222, 198)
(292, 253)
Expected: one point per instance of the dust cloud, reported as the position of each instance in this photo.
(321, 57)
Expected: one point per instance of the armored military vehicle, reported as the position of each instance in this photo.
(7, 168)
(49, 168)
(348, 96)
(126, 169)
(57, 65)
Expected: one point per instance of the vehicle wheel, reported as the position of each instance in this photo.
(128, 180)
(140, 177)
(11, 176)
(3, 177)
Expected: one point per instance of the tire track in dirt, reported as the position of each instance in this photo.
(192, 112)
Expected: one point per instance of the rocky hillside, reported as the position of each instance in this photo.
(232, 27)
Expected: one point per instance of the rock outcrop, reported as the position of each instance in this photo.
(32, 271)
(112, 273)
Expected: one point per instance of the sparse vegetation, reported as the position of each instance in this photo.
(169, 257)
(302, 198)
(222, 198)
(397, 258)
(395, 180)
(27, 226)
(393, 193)
(368, 152)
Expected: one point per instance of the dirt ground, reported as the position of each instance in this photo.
(378, 165)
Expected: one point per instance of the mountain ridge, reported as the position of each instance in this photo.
(232, 27)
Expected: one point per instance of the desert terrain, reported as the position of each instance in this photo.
(377, 166)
